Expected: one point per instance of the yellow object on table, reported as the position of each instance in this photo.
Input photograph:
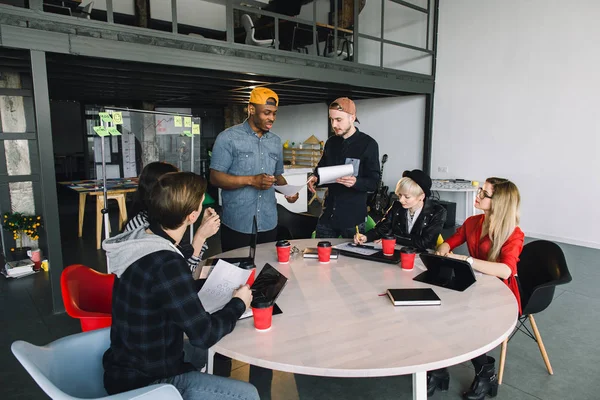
(475, 183)
(45, 265)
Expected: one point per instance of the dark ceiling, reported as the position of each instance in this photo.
(105, 81)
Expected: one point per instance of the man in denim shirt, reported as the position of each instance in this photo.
(247, 160)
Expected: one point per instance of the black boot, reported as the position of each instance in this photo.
(485, 382)
(438, 379)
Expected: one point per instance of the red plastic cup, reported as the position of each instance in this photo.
(407, 258)
(250, 280)
(324, 251)
(283, 251)
(36, 257)
(262, 312)
(389, 244)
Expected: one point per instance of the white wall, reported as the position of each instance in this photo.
(396, 123)
(200, 13)
(516, 97)
(297, 123)
(191, 12)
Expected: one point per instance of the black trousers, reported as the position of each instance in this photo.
(231, 239)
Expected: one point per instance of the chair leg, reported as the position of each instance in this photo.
(502, 361)
(538, 338)
(122, 211)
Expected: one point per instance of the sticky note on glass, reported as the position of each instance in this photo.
(104, 116)
(187, 122)
(178, 122)
(117, 118)
(187, 133)
(195, 129)
(101, 131)
(114, 131)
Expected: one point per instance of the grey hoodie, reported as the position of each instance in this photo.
(128, 247)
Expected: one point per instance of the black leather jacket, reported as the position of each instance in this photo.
(425, 231)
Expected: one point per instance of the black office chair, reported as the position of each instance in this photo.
(294, 225)
(542, 267)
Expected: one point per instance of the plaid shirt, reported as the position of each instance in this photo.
(154, 303)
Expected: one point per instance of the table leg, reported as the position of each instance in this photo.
(210, 362)
(419, 381)
(82, 197)
(99, 207)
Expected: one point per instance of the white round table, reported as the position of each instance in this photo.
(334, 323)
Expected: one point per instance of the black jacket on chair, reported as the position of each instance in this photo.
(425, 231)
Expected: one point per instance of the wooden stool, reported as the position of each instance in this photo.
(120, 198)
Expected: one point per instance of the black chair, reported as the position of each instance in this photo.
(294, 225)
(542, 267)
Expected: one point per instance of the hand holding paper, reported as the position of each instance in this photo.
(331, 174)
(288, 190)
(221, 285)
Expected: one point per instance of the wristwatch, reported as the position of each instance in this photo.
(470, 260)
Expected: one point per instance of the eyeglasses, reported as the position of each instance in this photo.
(482, 194)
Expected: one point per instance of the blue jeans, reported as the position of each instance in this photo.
(325, 230)
(198, 386)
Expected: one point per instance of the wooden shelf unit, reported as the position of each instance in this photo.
(302, 157)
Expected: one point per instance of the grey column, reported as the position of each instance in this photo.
(47, 175)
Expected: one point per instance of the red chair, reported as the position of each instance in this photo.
(87, 295)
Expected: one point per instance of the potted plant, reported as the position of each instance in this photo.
(21, 225)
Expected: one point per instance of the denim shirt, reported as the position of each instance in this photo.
(239, 151)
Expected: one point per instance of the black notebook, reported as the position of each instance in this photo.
(413, 297)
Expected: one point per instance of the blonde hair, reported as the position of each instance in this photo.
(504, 214)
(409, 186)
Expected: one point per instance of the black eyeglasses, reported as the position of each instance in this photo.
(482, 194)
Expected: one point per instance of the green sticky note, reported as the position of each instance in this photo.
(117, 117)
(178, 122)
(114, 131)
(187, 133)
(104, 116)
(187, 122)
(100, 131)
(195, 129)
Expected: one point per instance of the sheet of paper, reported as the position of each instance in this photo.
(220, 284)
(330, 174)
(354, 249)
(288, 190)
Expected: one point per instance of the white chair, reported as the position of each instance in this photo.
(86, 11)
(249, 28)
(70, 368)
(345, 50)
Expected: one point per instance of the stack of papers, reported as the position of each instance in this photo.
(17, 269)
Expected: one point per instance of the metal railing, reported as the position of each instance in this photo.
(254, 7)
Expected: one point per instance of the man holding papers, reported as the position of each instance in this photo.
(246, 162)
(155, 301)
(355, 156)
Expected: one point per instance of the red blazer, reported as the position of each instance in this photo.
(470, 232)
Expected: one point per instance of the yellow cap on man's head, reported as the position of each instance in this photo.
(261, 95)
